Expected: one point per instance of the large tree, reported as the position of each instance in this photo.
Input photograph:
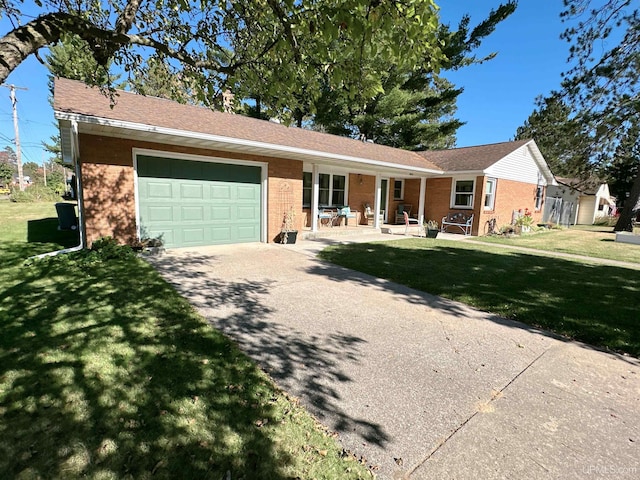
(603, 83)
(215, 42)
(624, 168)
(414, 107)
(562, 139)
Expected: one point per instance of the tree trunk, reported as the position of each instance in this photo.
(631, 207)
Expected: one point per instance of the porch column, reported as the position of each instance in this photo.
(423, 189)
(376, 202)
(315, 192)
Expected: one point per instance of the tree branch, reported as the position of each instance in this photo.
(25, 40)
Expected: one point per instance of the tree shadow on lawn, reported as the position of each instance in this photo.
(305, 364)
(45, 230)
(592, 303)
(105, 372)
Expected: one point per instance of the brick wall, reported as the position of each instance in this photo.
(361, 191)
(108, 185)
(510, 196)
(284, 191)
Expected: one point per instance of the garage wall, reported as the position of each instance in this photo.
(108, 184)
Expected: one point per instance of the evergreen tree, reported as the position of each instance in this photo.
(624, 168)
(562, 139)
(603, 83)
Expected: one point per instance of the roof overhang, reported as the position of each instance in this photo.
(121, 129)
(541, 162)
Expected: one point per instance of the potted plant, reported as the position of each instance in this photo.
(288, 233)
(525, 221)
(431, 228)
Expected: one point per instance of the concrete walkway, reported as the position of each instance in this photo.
(419, 386)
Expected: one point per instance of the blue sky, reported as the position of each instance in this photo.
(498, 95)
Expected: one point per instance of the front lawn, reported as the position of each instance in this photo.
(596, 304)
(593, 241)
(106, 372)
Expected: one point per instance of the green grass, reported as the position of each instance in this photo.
(596, 304)
(593, 241)
(105, 372)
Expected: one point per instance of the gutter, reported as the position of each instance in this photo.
(81, 231)
(76, 117)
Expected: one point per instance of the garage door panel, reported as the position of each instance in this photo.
(247, 233)
(157, 213)
(192, 213)
(221, 192)
(194, 235)
(248, 192)
(221, 234)
(199, 203)
(247, 212)
(191, 191)
(159, 190)
(221, 213)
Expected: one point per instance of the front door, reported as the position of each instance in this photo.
(384, 186)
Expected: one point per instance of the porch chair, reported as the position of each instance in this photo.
(402, 209)
(346, 213)
(326, 215)
(368, 214)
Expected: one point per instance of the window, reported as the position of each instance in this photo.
(463, 194)
(398, 190)
(306, 189)
(331, 189)
(323, 194)
(337, 195)
(490, 194)
(539, 192)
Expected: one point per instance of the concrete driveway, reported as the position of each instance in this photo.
(419, 386)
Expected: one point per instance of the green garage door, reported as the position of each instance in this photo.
(192, 203)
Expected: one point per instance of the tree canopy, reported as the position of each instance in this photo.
(218, 43)
(562, 139)
(603, 83)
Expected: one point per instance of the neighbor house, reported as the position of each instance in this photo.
(574, 201)
(150, 167)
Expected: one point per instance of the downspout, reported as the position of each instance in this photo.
(78, 171)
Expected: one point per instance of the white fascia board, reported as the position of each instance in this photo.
(234, 141)
(466, 173)
(542, 163)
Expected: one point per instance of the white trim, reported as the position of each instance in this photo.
(493, 194)
(452, 202)
(233, 141)
(401, 180)
(264, 175)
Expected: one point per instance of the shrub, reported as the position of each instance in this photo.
(35, 193)
(108, 248)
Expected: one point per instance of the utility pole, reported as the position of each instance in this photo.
(14, 102)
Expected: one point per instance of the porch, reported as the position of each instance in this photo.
(359, 230)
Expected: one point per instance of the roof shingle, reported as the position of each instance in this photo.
(72, 96)
(474, 158)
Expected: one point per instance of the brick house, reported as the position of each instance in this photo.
(149, 167)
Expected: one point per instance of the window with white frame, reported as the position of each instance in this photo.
(331, 189)
(398, 189)
(539, 195)
(463, 193)
(490, 194)
(338, 183)
(306, 189)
